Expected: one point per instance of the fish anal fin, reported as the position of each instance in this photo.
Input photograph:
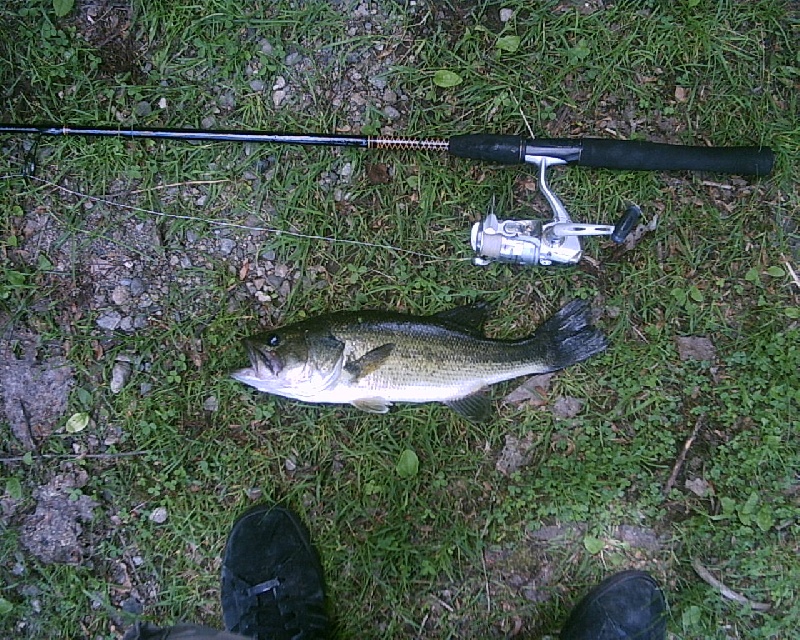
(370, 361)
(372, 405)
(470, 317)
(475, 408)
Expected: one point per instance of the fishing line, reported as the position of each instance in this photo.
(234, 225)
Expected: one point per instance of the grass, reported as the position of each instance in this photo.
(456, 549)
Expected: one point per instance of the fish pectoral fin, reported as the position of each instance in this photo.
(475, 408)
(369, 362)
(372, 405)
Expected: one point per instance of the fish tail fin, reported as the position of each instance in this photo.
(568, 337)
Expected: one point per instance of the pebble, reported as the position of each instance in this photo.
(120, 374)
(120, 295)
(278, 97)
(159, 515)
(143, 109)
(109, 321)
(257, 85)
(211, 403)
(379, 82)
(226, 246)
(133, 606)
(506, 15)
(136, 286)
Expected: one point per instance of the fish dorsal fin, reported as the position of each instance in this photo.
(372, 405)
(475, 407)
(370, 361)
(469, 317)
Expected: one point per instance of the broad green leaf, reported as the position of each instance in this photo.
(63, 7)
(752, 275)
(764, 518)
(749, 507)
(691, 617)
(508, 43)
(593, 545)
(792, 312)
(77, 422)
(695, 294)
(5, 607)
(444, 78)
(407, 464)
(775, 271)
(14, 488)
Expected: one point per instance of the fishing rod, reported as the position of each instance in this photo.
(515, 241)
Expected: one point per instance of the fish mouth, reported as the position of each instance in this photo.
(265, 362)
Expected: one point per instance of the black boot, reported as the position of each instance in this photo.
(272, 581)
(624, 606)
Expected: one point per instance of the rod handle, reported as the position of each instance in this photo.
(654, 156)
(615, 154)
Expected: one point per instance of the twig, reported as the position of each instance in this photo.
(792, 272)
(75, 456)
(726, 592)
(486, 583)
(682, 457)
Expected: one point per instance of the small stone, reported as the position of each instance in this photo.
(566, 407)
(696, 348)
(133, 606)
(506, 15)
(120, 295)
(278, 97)
(292, 59)
(137, 287)
(280, 83)
(159, 515)
(391, 113)
(109, 321)
(378, 82)
(120, 374)
(211, 403)
(226, 246)
(699, 487)
(143, 109)
(257, 85)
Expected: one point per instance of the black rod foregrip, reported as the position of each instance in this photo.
(654, 156)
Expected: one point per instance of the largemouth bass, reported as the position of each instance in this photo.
(371, 359)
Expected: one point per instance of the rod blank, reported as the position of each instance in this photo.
(504, 149)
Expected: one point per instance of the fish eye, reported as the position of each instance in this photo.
(273, 340)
